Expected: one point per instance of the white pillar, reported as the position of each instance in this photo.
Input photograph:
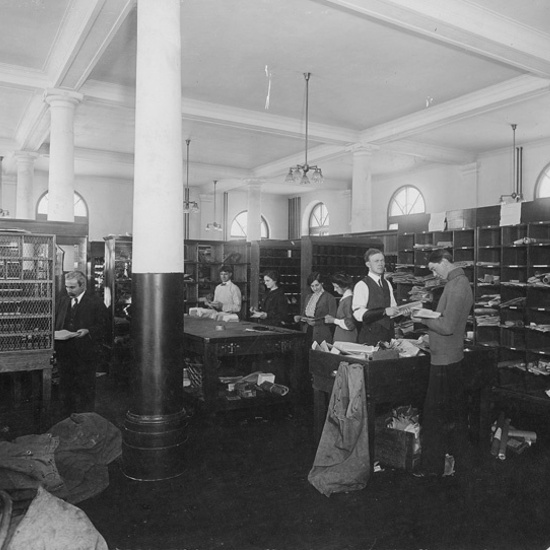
(254, 221)
(362, 201)
(158, 165)
(154, 430)
(61, 180)
(24, 203)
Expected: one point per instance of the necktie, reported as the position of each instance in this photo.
(74, 303)
(380, 283)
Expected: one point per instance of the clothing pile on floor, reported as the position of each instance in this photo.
(68, 463)
(70, 460)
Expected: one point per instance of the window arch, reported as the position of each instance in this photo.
(319, 221)
(80, 208)
(406, 200)
(239, 227)
(542, 188)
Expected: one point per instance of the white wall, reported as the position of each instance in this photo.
(444, 187)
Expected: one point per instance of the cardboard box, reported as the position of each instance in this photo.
(395, 448)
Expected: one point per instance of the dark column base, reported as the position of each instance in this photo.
(152, 447)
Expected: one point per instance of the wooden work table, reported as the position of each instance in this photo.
(403, 381)
(248, 349)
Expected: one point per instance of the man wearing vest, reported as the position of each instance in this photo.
(373, 302)
(83, 318)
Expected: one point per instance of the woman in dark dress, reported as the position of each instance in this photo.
(346, 330)
(319, 304)
(274, 307)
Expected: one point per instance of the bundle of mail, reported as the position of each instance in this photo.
(207, 313)
(405, 348)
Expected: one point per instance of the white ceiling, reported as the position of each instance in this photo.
(423, 81)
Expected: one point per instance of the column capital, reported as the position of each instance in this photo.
(25, 156)
(366, 149)
(58, 95)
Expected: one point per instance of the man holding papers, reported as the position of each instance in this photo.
(444, 418)
(373, 302)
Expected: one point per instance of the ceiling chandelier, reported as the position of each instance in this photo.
(189, 206)
(517, 172)
(214, 226)
(298, 173)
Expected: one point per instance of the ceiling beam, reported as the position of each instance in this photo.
(223, 115)
(314, 156)
(108, 20)
(463, 25)
(430, 152)
(488, 99)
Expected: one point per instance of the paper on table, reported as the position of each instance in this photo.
(64, 334)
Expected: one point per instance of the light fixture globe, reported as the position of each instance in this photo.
(298, 174)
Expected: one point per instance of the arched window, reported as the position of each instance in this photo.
(319, 220)
(80, 208)
(542, 188)
(406, 200)
(239, 227)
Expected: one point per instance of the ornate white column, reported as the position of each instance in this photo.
(24, 204)
(361, 188)
(154, 429)
(254, 223)
(61, 179)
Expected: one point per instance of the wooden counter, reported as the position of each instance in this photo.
(276, 349)
(403, 381)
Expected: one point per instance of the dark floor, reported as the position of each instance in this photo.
(245, 488)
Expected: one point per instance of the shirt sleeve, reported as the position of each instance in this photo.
(360, 300)
(342, 324)
(234, 306)
(346, 322)
(393, 302)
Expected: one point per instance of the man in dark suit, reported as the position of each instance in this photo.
(84, 316)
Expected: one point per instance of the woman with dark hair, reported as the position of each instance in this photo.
(346, 330)
(274, 307)
(318, 305)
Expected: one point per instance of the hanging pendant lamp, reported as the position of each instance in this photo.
(299, 173)
(214, 226)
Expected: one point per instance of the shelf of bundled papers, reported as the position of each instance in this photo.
(539, 327)
(538, 367)
(540, 279)
(517, 284)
